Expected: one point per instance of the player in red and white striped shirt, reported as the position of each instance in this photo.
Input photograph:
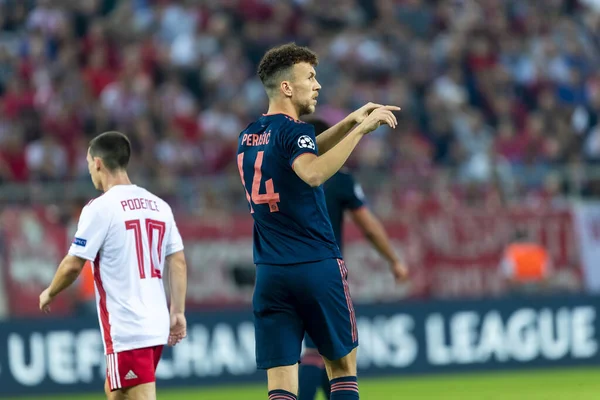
(129, 234)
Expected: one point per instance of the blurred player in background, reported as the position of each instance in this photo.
(343, 193)
(301, 281)
(129, 234)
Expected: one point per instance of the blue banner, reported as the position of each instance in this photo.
(51, 356)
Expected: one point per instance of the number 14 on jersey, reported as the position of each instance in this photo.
(270, 197)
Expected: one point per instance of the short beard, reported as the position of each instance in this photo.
(306, 109)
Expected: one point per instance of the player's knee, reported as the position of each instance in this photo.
(345, 366)
(283, 378)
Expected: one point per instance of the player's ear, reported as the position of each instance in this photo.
(97, 163)
(286, 88)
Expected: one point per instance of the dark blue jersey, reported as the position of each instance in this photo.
(341, 193)
(291, 223)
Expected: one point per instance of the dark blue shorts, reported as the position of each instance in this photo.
(309, 343)
(291, 300)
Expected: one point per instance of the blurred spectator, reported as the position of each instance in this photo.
(46, 159)
(47, 17)
(13, 165)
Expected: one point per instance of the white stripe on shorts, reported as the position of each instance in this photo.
(109, 371)
(118, 377)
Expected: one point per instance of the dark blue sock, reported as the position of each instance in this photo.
(311, 373)
(281, 395)
(345, 388)
(325, 385)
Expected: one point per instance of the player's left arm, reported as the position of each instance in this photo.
(374, 231)
(332, 136)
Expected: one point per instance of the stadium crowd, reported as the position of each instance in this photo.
(505, 93)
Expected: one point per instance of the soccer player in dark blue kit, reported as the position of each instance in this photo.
(343, 193)
(301, 281)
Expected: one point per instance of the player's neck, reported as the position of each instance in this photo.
(119, 178)
(285, 108)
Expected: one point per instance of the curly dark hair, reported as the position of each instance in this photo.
(280, 59)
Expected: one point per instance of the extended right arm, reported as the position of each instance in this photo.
(315, 170)
(332, 136)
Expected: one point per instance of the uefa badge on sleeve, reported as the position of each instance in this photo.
(79, 242)
(306, 142)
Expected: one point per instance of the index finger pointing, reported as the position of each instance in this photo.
(391, 108)
(373, 106)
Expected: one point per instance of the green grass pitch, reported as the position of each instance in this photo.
(567, 384)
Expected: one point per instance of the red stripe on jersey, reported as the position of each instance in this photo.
(103, 310)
